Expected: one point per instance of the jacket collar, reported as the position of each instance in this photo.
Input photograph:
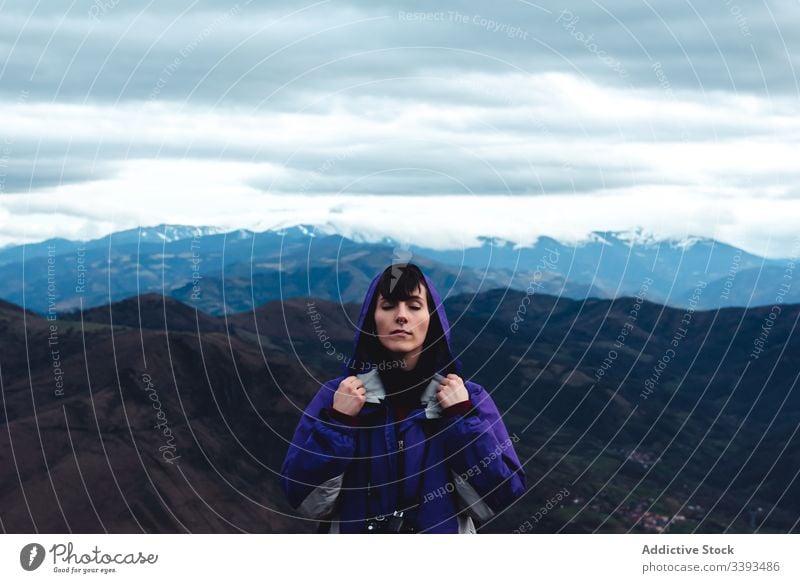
(376, 392)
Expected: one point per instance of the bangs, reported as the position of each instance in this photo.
(400, 281)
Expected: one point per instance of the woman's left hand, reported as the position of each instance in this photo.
(451, 391)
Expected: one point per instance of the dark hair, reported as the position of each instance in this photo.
(398, 283)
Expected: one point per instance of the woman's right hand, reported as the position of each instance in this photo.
(350, 397)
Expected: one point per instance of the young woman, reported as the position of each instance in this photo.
(400, 442)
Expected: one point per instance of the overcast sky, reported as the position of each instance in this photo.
(432, 123)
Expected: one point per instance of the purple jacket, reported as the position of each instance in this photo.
(341, 473)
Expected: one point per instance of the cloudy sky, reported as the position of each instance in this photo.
(432, 123)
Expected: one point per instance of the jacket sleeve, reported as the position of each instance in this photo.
(321, 449)
(486, 471)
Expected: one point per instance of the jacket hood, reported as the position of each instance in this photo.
(445, 365)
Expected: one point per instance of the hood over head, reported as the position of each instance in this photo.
(437, 351)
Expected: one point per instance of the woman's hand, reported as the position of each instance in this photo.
(350, 397)
(451, 391)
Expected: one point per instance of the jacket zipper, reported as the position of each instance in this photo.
(401, 466)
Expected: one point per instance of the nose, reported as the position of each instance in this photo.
(401, 314)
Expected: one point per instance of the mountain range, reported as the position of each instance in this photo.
(231, 272)
(147, 414)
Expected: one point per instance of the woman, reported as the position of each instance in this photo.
(399, 442)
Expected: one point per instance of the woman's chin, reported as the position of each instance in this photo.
(399, 348)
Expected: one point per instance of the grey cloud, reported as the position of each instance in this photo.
(402, 168)
(458, 43)
(24, 175)
(92, 57)
(99, 154)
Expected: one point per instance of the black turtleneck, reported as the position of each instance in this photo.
(404, 388)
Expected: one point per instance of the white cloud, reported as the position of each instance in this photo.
(182, 164)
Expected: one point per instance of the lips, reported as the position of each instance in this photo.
(399, 331)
